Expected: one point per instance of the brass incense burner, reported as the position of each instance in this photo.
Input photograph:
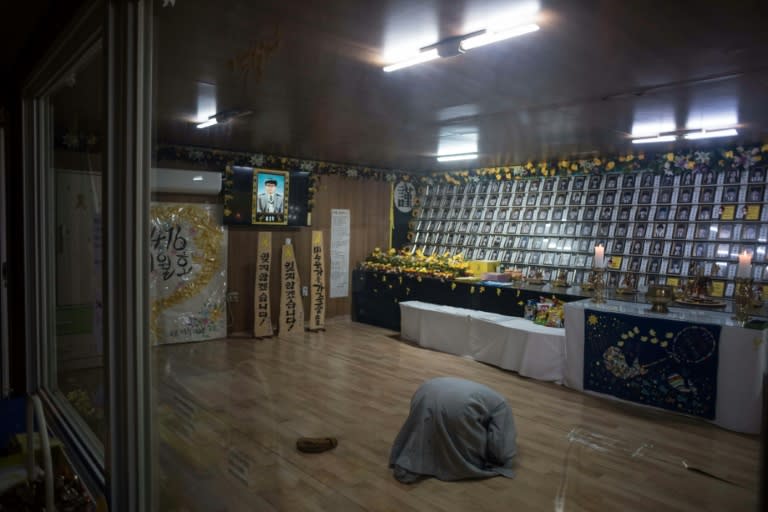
(659, 295)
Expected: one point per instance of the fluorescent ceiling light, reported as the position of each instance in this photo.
(453, 158)
(205, 124)
(224, 117)
(660, 138)
(704, 134)
(494, 37)
(411, 61)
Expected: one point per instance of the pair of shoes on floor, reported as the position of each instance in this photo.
(316, 444)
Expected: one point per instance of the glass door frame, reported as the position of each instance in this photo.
(121, 30)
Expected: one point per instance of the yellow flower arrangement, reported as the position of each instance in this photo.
(441, 266)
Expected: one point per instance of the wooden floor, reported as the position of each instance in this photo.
(227, 414)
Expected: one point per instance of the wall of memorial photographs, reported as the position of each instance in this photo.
(663, 227)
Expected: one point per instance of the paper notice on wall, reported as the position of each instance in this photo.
(339, 278)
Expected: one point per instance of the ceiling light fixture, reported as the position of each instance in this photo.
(452, 46)
(706, 134)
(423, 56)
(454, 158)
(487, 37)
(686, 134)
(659, 138)
(224, 117)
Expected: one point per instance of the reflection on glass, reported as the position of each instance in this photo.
(77, 138)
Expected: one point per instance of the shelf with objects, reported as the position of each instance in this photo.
(656, 228)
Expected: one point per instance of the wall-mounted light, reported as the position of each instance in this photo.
(452, 46)
(224, 117)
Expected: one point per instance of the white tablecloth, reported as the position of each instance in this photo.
(508, 342)
(741, 359)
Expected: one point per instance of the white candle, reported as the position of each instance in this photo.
(745, 265)
(599, 256)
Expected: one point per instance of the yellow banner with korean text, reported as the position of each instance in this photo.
(317, 283)
(291, 306)
(262, 321)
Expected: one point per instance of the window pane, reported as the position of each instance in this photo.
(77, 128)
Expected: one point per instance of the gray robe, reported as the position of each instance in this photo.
(456, 429)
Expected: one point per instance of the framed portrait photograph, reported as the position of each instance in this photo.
(749, 232)
(624, 213)
(562, 183)
(732, 176)
(724, 232)
(646, 180)
(755, 194)
(270, 197)
(578, 183)
(545, 199)
(757, 175)
(594, 181)
(702, 231)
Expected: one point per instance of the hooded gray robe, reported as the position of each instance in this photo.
(456, 429)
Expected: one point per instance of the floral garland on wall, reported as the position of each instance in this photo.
(717, 160)
(220, 159)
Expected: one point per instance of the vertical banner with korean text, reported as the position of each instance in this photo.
(317, 284)
(291, 307)
(262, 320)
(188, 273)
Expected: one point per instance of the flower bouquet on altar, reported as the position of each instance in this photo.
(442, 266)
